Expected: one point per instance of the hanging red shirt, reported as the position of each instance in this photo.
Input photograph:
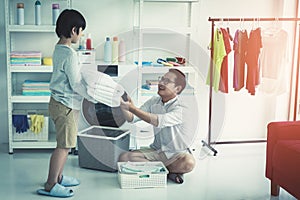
(223, 85)
(253, 68)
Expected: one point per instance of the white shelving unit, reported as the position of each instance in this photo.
(168, 34)
(17, 40)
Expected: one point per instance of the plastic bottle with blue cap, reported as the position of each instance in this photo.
(107, 50)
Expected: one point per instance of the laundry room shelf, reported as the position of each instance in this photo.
(31, 28)
(164, 30)
(29, 38)
(161, 38)
(29, 69)
(51, 143)
(30, 99)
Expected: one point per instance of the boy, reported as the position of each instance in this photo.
(172, 132)
(67, 92)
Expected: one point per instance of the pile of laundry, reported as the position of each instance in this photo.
(137, 167)
(102, 87)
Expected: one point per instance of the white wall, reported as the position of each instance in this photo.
(236, 115)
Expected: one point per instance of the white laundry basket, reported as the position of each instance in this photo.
(143, 179)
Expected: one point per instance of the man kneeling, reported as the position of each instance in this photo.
(173, 133)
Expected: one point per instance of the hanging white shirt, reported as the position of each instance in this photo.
(273, 61)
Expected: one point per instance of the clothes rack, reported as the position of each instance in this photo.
(208, 143)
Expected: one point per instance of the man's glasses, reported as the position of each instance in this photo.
(164, 80)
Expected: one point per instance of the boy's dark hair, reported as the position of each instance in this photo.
(67, 20)
(180, 78)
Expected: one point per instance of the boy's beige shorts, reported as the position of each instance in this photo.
(65, 120)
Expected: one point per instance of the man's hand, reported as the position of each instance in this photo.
(125, 107)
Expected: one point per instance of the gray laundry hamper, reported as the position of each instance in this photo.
(99, 147)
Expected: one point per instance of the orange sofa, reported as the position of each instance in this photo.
(283, 157)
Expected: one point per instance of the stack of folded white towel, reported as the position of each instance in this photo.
(102, 87)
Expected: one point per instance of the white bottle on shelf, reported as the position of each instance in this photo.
(107, 50)
(122, 51)
(20, 13)
(55, 12)
(115, 49)
(37, 7)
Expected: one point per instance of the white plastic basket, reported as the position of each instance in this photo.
(31, 136)
(143, 179)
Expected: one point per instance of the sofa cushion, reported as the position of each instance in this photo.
(286, 156)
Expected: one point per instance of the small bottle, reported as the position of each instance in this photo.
(115, 50)
(55, 12)
(122, 51)
(81, 43)
(20, 13)
(37, 6)
(107, 50)
(89, 42)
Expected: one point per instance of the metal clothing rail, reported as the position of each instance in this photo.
(213, 20)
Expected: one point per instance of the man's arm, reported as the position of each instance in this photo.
(145, 116)
(129, 109)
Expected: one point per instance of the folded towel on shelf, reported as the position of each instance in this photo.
(35, 93)
(36, 88)
(24, 58)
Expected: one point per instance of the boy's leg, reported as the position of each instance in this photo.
(65, 120)
(57, 162)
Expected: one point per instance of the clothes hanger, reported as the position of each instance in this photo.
(253, 24)
(274, 29)
(228, 31)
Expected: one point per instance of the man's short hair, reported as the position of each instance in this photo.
(180, 78)
(67, 20)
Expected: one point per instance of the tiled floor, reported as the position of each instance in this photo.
(236, 173)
